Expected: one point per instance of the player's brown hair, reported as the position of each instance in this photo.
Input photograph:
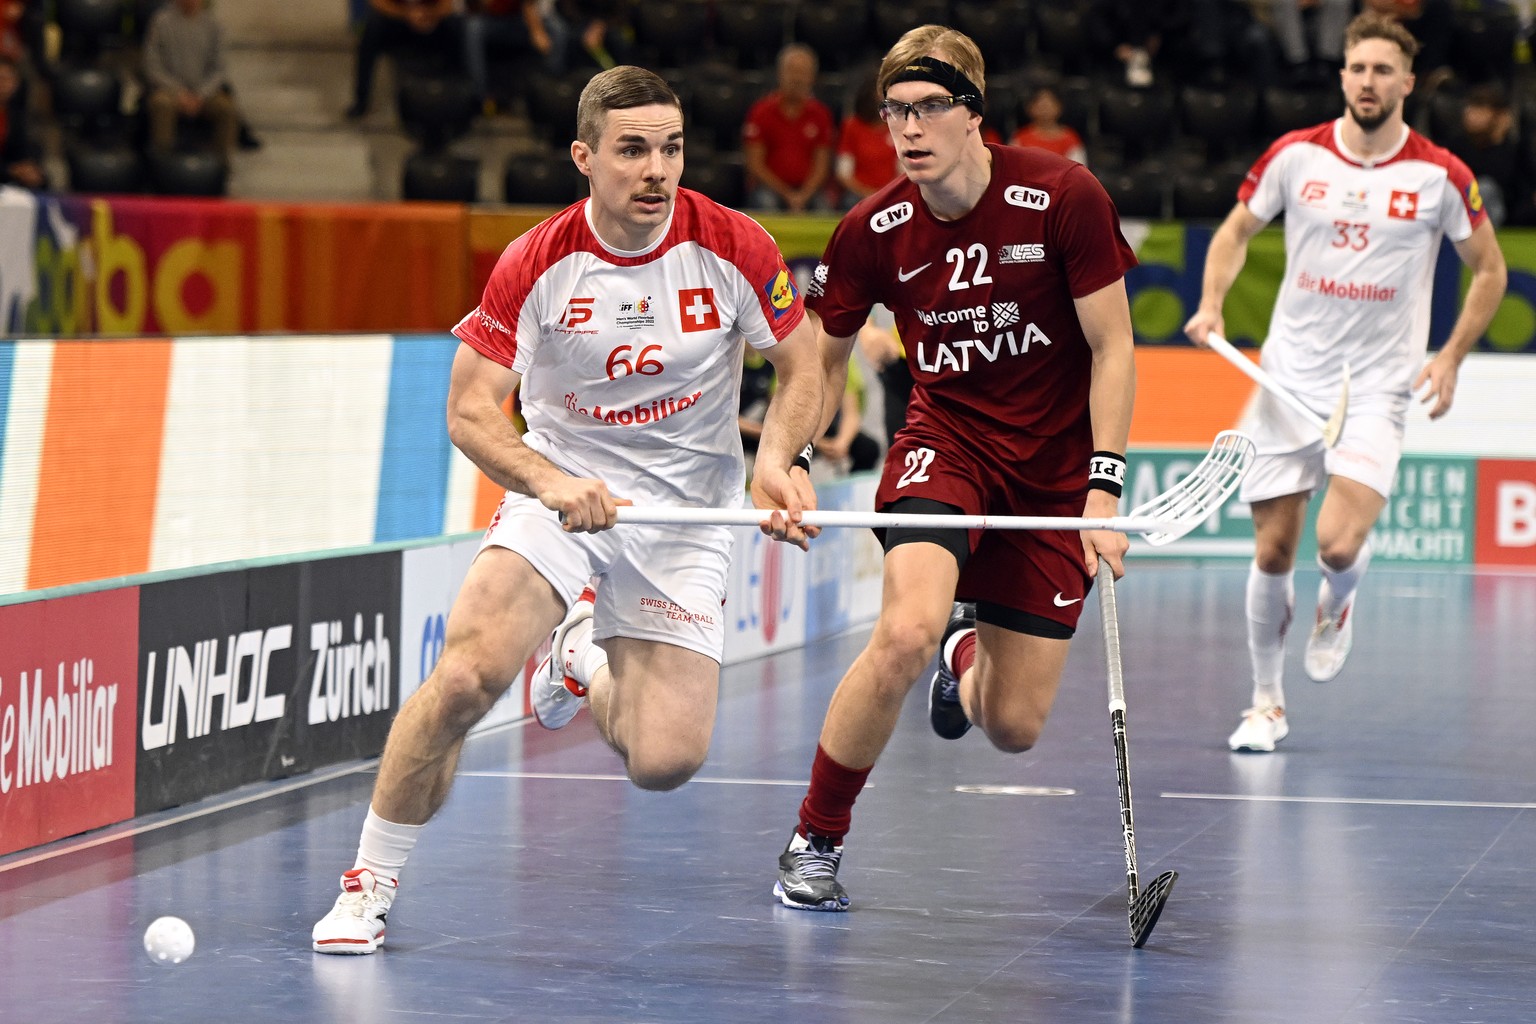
(619, 89)
(1371, 25)
(950, 45)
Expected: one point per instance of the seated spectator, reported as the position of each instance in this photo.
(1486, 143)
(845, 446)
(597, 32)
(1130, 31)
(19, 154)
(515, 28)
(1315, 60)
(184, 66)
(883, 349)
(1044, 129)
(788, 138)
(866, 154)
(422, 28)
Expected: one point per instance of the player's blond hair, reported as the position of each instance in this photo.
(948, 44)
(1371, 25)
(619, 88)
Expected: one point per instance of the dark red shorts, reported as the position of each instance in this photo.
(1036, 571)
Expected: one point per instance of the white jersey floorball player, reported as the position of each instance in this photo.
(623, 320)
(1366, 201)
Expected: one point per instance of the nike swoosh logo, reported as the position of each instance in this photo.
(1062, 604)
(909, 275)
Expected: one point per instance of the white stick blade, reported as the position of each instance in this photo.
(1194, 499)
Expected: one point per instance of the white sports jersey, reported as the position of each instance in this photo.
(1361, 241)
(631, 361)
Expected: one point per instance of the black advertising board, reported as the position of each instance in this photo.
(263, 673)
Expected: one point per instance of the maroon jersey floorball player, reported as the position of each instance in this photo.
(1004, 268)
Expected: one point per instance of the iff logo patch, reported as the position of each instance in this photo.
(781, 291)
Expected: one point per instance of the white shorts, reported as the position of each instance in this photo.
(1368, 452)
(662, 583)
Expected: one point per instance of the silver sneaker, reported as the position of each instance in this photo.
(554, 694)
(1329, 644)
(1260, 730)
(355, 924)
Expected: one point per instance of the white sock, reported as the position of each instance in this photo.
(385, 845)
(1271, 599)
(1338, 586)
(587, 658)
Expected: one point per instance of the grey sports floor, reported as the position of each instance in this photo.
(1378, 868)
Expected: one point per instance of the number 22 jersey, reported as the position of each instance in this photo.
(984, 307)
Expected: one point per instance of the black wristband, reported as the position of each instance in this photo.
(803, 460)
(1106, 472)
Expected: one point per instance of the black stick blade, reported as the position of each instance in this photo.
(1148, 906)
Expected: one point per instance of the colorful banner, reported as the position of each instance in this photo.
(68, 696)
(263, 673)
(1432, 517)
(131, 266)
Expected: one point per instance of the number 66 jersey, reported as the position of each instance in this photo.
(631, 362)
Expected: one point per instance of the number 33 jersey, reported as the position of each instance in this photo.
(985, 308)
(631, 361)
(1361, 241)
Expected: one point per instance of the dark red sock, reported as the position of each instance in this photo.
(965, 654)
(828, 806)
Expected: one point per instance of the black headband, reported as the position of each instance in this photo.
(941, 73)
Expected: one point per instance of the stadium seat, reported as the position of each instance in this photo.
(1062, 36)
(437, 109)
(439, 177)
(1000, 29)
(720, 176)
(189, 173)
(752, 32)
(104, 169)
(551, 103)
(837, 31)
(87, 101)
(721, 98)
(1080, 104)
(1223, 119)
(544, 179)
(86, 27)
(671, 33)
(889, 19)
(1137, 191)
(1287, 110)
(1205, 195)
(1142, 119)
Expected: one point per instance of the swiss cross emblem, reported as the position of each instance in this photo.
(696, 307)
(1403, 205)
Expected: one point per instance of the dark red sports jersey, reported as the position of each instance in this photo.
(984, 306)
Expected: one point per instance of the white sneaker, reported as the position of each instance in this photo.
(554, 693)
(355, 924)
(1260, 730)
(1329, 644)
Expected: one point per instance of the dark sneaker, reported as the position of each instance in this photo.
(808, 874)
(944, 711)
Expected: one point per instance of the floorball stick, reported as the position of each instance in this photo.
(1330, 428)
(1144, 906)
(1163, 519)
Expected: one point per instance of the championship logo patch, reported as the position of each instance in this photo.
(781, 292)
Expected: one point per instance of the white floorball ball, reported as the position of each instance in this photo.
(169, 940)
